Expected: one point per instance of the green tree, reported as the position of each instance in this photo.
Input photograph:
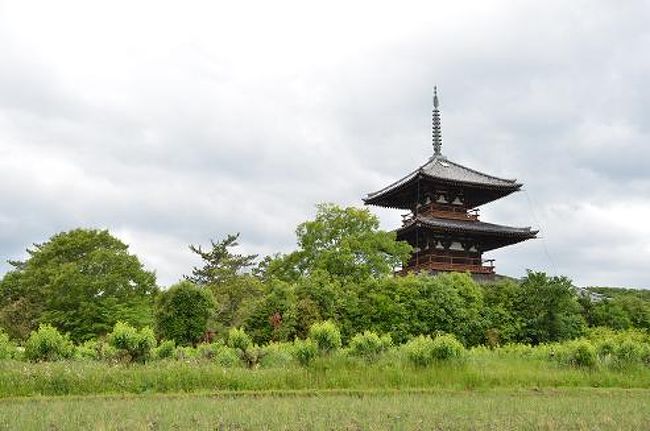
(273, 317)
(502, 324)
(416, 305)
(219, 263)
(548, 309)
(182, 313)
(82, 282)
(227, 275)
(345, 243)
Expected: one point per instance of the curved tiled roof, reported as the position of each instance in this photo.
(439, 167)
(472, 226)
(490, 236)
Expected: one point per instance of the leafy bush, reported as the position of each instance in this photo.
(87, 351)
(579, 353)
(185, 353)
(252, 355)
(239, 339)
(276, 355)
(227, 357)
(447, 348)
(628, 352)
(137, 346)
(606, 348)
(208, 350)
(182, 312)
(419, 351)
(165, 350)
(7, 348)
(326, 335)
(48, 344)
(369, 345)
(305, 351)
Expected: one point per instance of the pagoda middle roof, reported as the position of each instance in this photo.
(470, 226)
(494, 235)
(439, 168)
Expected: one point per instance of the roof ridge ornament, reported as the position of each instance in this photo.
(436, 128)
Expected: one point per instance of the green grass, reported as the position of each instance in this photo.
(481, 371)
(502, 409)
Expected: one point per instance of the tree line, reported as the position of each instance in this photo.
(84, 281)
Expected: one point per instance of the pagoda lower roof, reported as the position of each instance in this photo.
(493, 235)
(439, 169)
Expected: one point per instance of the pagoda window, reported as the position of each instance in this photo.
(455, 245)
(473, 248)
(442, 199)
(457, 201)
(439, 245)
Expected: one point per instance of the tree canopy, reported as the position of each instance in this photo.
(82, 282)
(182, 312)
(345, 243)
(228, 276)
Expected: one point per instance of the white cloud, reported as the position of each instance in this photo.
(175, 124)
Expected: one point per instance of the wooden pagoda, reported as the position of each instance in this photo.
(443, 224)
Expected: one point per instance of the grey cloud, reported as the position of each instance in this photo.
(206, 136)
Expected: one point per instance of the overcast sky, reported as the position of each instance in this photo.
(174, 123)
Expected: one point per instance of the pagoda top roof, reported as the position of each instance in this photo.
(482, 187)
(496, 235)
(441, 168)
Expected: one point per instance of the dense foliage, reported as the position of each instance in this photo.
(337, 290)
(343, 242)
(182, 313)
(81, 282)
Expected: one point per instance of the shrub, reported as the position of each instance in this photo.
(7, 348)
(185, 353)
(628, 352)
(252, 355)
(419, 351)
(136, 345)
(276, 355)
(97, 350)
(239, 339)
(447, 348)
(208, 350)
(305, 351)
(326, 335)
(165, 350)
(182, 312)
(48, 344)
(88, 351)
(369, 345)
(606, 348)
(227, 357)
(579, 353)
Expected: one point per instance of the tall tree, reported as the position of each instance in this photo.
(227, 275)
(548, 309)
(182, 312)
(219, 263)
(346, 243)
(82, 282)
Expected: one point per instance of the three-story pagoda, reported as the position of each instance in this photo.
(443, 224)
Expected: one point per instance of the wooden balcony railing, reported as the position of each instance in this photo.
(450, 263)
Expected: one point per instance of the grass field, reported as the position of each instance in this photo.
(480, 372)
(551, 409)
(489, 390)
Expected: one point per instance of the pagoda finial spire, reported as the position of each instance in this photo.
(436, 129)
